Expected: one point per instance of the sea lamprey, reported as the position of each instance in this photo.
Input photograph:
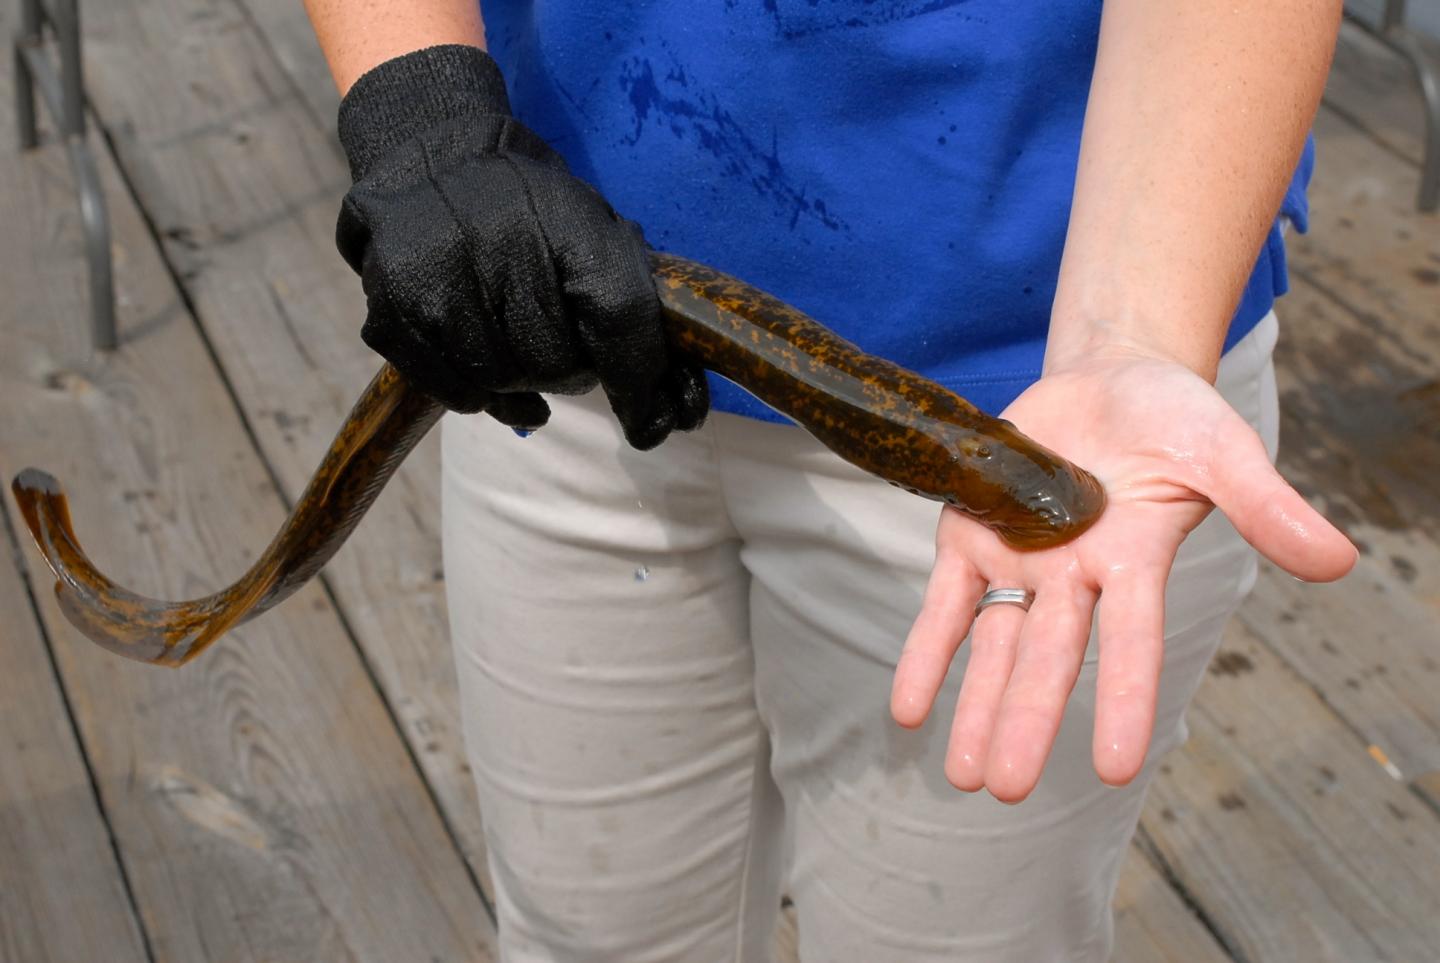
(874, 414)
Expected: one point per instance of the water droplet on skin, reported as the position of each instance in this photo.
(642, 574)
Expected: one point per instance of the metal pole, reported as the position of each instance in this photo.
(96, 218)
(1429, 89)
(93, 213)
(1400, 39)
(28, 35)
(1393, 16)
(72, 80)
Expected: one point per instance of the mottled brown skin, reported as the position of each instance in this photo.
(387, 421)
(874, 414)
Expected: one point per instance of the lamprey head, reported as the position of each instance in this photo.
(1042, 501)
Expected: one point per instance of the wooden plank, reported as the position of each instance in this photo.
(1280, 824)
(1359, 393)
(1152, 923)
(262, 803)
(245, 188)
(213, 135)
(285, 28)
(1368, 249)
(1369, 647)
(1427, 787)
(1359, 373)
(62, 897)
(1359, 356)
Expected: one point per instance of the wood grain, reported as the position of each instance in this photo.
(1152, 922)
(1278, 821)
(62, 897)
(1277, 817)
(263, 805)
(1369, 647)
(285, 28)
(246, 187)
(1359, 374)
(1360, 354)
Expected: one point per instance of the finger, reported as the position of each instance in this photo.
(1271, 515)
(1047, 662)
(645, 425)
(945, 616)
(406, 348)
(505, 310)
(525, 410)
(352, 232)
(610, 292)
(992, 658)
(690, 389)
(1132, 651)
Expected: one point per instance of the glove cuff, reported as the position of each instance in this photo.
(394, 101)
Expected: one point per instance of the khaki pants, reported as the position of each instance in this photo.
(675, 672)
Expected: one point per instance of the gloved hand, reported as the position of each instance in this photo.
(490, 272)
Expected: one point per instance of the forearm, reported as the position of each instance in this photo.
(1197, 116)
(356, 35)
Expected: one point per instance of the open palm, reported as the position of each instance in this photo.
(1167, 448)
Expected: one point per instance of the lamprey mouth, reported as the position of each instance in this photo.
(876, 415)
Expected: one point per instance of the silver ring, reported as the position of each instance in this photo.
(1005, 596)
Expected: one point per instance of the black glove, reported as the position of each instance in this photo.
(490, 272)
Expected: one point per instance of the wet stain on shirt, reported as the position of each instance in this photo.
(821, 16)
(664, 101)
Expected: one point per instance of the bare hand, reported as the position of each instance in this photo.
(1168, 449)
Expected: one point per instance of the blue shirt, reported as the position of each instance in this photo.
(901, 170)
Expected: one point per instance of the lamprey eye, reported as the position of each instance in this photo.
(975, 449)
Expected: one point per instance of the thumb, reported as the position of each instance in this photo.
(1270, 514)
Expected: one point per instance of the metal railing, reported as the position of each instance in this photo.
(63, 92)
(1392, 30)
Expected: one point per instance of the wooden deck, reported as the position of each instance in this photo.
(301, 792)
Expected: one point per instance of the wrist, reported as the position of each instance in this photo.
(390, 103)
(1076, 342)
(1101, 312)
